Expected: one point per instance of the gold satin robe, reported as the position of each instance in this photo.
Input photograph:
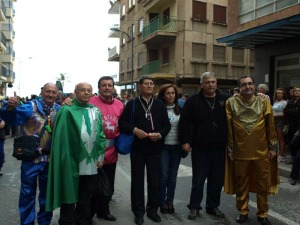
(251, 134)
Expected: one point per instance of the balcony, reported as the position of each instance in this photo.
(115, 7)
(2, 12)
(7, 31)
(160, 31)
(155, 5)
(8, 56)
(9, 9)
(113, 54)
(158, 70)
(113, 33)
(3, 71)
(3, 43)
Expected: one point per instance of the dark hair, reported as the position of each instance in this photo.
(141, 80)
(106, 78)
(284, 94)
(246, 76)
(161, 95)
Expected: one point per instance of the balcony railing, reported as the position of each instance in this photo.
(3, 71)
(3, 39)
(150, 68)
(3, 8)
(157, 67)
(158, 24)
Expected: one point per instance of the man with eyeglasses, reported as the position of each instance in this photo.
(151, 125)
(77, 151)
(252, 148)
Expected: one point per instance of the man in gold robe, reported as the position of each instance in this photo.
(252, 149)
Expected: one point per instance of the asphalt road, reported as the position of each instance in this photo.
(284, 207)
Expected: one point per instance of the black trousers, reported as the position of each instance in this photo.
(79, 213)
(98, 206)
(138, 163)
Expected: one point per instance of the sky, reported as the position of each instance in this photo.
(61, 36)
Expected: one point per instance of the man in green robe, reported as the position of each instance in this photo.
(78, 145)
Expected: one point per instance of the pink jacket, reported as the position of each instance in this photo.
(111, 112)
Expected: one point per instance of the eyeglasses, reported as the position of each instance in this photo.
(148, 83)
(85, 90)
(246, 84)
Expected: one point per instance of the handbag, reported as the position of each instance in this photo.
(104, 191)
(124, 141)
(25, 147)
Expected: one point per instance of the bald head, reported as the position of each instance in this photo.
(83, 92)
(49, 93)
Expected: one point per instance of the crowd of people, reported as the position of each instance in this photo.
(76, 141)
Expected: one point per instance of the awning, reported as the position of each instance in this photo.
(271, 32)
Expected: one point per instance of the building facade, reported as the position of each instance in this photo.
(174, 41)
(7, 56)
(272, 28)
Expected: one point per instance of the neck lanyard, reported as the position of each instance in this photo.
(148, 114)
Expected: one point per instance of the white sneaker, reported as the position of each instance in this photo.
(281, 159)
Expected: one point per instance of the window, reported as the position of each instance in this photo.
(219, 53)
(165, 55)
(199, 10)
(238, 55)
(199, 51)
(166, 16)
(123, 10)
(219, 14)
(140, 59)
(129, 4)
(252, 9)
(141, 25)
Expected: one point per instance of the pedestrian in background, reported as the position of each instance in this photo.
(2, 140)
(77, 151)
(202, 131)
(292, 121)
(264, 89)
(252, 147)
(279, 104)
(36, 118)
(151, 125)
(172, 152)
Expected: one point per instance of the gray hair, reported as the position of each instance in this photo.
(206, 75)
(263, 86)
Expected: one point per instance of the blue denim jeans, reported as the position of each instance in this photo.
(170, 160)
(1, 153)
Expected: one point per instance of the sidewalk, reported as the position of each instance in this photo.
(284, 169)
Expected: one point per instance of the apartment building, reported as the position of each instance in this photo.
(272, 28)
(7, 55)
(174, 41)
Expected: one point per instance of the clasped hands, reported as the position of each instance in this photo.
(155, 136)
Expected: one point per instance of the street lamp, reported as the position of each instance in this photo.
(20, 62)
(130, 39)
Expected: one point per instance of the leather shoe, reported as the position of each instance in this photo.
(193, 214)
(163, 209)
(170, 207)
(241, 218)
(154, 217)
(293, 181)
(215, 212)
(264, 221)
(139, 220)
(107, 217)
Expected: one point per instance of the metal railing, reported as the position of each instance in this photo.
(157, 67)
(160, 24)
(3, 39)
(3, 71)
(3, 8)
